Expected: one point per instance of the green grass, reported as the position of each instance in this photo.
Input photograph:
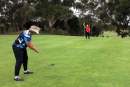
(98, 62)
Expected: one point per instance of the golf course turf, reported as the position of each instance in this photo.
(69, 61)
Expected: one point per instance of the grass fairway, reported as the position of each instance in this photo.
(69, 61)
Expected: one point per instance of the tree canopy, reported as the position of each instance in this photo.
(14, 13)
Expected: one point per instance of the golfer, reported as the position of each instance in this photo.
(20, 52)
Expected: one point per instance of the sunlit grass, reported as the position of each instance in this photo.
(69, 61)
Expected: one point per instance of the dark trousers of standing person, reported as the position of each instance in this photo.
(87, 35)
(21, 58)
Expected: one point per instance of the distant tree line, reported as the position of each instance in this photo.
(55, 16)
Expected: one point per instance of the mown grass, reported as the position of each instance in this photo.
(69, 61)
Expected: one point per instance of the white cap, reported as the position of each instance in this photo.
(35, 29)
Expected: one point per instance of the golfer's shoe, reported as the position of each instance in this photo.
(17, 78)
(28, 72)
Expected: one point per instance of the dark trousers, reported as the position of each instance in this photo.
(87, 35)
(21, 58)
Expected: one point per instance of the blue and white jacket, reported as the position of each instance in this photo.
(22, 40)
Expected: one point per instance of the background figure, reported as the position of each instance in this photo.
(87, 31)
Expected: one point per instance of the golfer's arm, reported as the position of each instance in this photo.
(31, 46)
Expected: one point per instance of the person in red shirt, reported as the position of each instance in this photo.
(87, 31)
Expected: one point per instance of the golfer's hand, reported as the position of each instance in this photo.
(31, 46)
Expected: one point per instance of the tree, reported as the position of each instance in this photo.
(16, 12)
(52, 10)
(74, 28)
(115, 12)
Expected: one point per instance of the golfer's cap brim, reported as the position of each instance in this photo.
(35, 29)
